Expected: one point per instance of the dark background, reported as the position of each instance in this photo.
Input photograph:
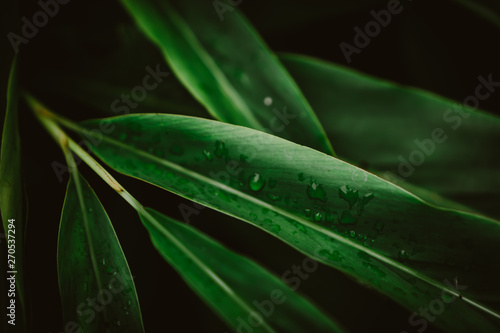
(434, 45)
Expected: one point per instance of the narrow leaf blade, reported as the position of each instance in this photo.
(96, 286)
(375, 231)
(232, 284)
(368, 112)
(228, 69)
(11, 196)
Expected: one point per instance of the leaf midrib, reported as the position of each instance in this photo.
(242, 303)
(258, 202)
(207, 60)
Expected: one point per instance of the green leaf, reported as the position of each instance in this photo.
(387, 238)
(360, 113)
(234, 286)
(228, 68)
(489, 11)
(95, 282)
(11, 196)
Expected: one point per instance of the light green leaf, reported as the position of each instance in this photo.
(375, 123)
(228, 68)
(96, 286)
(234, 286)
(373, 230)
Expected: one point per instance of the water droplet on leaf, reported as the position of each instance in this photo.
(349, 195)
(316, 191)
(208, 155)
(318, 216)
(220, 149)
(257, 182)
(274, 197)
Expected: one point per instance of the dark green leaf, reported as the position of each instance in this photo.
(11, 196)
(226, 66)
(234, 286)
(97, 290)
(486, 9)
(378, 123)
(373, 230)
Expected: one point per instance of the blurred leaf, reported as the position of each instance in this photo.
(11, 197)
(97, 290)
(486, 9)
(373, 230)
(284, 15)
(228, 68)
(378, 123)
(237, 288)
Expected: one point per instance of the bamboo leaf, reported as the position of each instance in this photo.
(244, 294)
(234, 286)
(96, 286)
(227, 67)
(11, 197)
(374, 231)
(368, 112)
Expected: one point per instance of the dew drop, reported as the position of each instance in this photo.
(220, 149)
(301, 176)
(366, 199)
(257, 182)
(403, 254)
(276, 228)
(307, 212)
(268, 101)
(349, 195)
(274, 197)
(352, 233)
(301, 228)
(318, 216)
(316, 191)
(103, 261)
(208, 155)
(335, 255)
